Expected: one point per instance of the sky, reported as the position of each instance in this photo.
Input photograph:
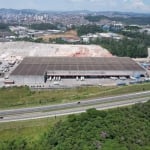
(70, 5)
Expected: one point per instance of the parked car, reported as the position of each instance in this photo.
(1, 117)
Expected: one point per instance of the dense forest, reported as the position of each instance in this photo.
(96, 18)
(116, 129)
(134, 45)
(128, 20)
(126, 47)
(85, 29)
(4, 26)
(43, 26)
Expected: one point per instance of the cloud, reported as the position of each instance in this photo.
(103, 5)
(136, 5)
(76, 0)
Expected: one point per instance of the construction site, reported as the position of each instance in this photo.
(25, 49)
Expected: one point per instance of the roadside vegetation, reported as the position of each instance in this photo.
(24, 97)
(125, 128)
(25, 132)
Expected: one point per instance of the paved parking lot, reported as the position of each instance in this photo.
(70, 83)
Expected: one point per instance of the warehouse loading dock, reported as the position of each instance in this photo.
(43, 70)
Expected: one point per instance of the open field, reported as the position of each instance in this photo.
(30, 130)
(23, 97)
(70, 33)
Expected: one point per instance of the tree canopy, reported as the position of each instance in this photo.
(43, 26)
(117, 129)
(85, 29)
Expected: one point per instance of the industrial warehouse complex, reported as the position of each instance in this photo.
(43, 70)
(61, 66)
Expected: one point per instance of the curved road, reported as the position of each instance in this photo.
(74, 107)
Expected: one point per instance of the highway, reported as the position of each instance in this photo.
(74, 107)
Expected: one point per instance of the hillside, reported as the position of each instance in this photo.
(116, 129)
(27, 49)
(140, 20)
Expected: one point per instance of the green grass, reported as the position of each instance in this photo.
(85, 128)
(24, 97)
(30, 130)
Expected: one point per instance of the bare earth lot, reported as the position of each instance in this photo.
(71, 33)
(24, 49)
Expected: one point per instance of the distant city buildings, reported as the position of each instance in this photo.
(20, 22)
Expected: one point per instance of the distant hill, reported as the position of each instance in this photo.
(15, 11)
(127, 19)
(86, 12)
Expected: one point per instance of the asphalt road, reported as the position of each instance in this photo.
(72, 108)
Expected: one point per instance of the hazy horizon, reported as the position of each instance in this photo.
(138, 6)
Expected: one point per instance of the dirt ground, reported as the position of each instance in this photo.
(71, 33)
(29, 49)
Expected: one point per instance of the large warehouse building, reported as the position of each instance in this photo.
(40, 70)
